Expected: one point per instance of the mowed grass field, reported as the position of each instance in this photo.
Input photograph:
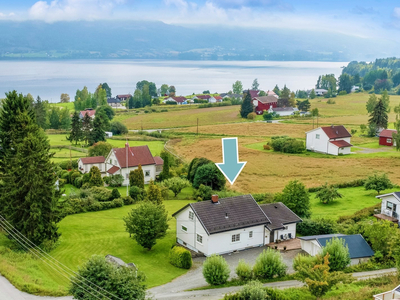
(84, 235)
(268, 171)
(181, 117)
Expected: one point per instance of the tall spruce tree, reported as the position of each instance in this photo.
(87, 127)
(29, 199)
(76, 129)
(98, 133)
(41, 112)
(379, 116)
(247, 105)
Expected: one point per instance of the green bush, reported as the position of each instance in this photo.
(101, 194)
(216, 270)
(202, 193)
(118, 202)
(85, 178)
(65, 176)
(128, 200)
(316, 227)
(115, 194)
(78, 182)
(269, 264)
(180, 257)
(243, 271)
(68, 165)
(137, 193)
(253, 291)
(115, 180)
(361, 214)
(287, 145)
(339, 256)
(263, 197)
(353, 183)
(251, 116)
(302, 260)
(74, 175)
(209, 175)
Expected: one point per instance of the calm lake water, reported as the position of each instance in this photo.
(51, 78)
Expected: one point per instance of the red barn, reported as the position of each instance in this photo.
(386, 137)
(264, 103)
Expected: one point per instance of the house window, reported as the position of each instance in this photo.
(184, 228)
(147, 173)
(127, 176)
(250, 234)
(391, 206)
(389, 141)
(191, 215)
(235, 238)
(110, 161)
(317, 136)
(199, 239)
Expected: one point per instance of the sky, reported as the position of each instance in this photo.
(362, 18)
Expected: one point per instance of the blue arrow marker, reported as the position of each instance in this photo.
(230, 167)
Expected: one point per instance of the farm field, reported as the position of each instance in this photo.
(181, 117)
(84, 235)
(268, 171)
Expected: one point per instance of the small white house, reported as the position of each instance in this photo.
(124, 160)
(390, 207)
(320, 92)
(215, 99)
(86, 163)
(390, 295)
(283, 111)
(225, 225)
(359, 249)
(332, 140)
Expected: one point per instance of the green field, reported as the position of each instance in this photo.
(84, 235)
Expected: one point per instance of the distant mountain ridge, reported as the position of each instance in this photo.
(157, 40)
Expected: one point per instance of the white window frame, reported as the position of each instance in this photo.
(235, 238)
(317, 136)
(199, 238)
(127, 175)
(182, 228)
(389, 140)
(191, 215)
(147, 173)
(251, 234)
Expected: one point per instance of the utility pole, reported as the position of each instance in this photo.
(197, 126)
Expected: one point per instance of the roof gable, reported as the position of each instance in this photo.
(358, 247)
(229, 214)
(139, 155)
(266, 99)
(387, 133)
(336, 132)
(341, 144)
(90, 112)
(279, 214)
(92, 160)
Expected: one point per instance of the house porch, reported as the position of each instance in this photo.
(293, 244)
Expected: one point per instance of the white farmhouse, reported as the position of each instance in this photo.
(124, 160)
(86, 163)
(332, 140)
(390, 207)
(359, 249)
(231, 224)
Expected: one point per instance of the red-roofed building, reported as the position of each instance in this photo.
(89, 111)
(386, 137)
(124, 160)
(264, 103)
(86, 163)
(215, 99)
(178, 100)
(332, 140)
(123, 97)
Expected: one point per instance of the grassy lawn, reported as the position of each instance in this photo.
(84, 235)
(353, 200)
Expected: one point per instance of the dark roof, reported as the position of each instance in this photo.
(358, 247)
(266, 99)
(387, 133)
(124, 96)
(112, 170)
(279, 215)
(397, 289)
(241, 211)
(158, 160)
(139, 155)
(92, 160)
(335, 132)
(341, 144)
(314, 237)
(179, 99)
(113, 100)
(204, 97)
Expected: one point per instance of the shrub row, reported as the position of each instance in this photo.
(287, 145)
(180, 257)
(81, 205)
(341, 185)
(361, 214)
(223, 103)
(316, 227)
(68, 165)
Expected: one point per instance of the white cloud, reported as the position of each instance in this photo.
(9, 16)
(396, 12)
(72, 10)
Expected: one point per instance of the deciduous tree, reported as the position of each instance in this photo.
(176, 184)
(255, 85)
(328, 193)
(237, 87)
(100, 149)
(209, 175)
(64, 98)
(296, 197)
(339, 255)
(147, 223)
(378, 182)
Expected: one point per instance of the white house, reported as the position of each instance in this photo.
(115, 103)
(359, 249)
(225, 225)
(86, 163)
(390, 207)
(178, 100)
(215, 99)
(332, 140)
(89, 111)
(283, 111)
(320, 92)
(393, 294)
(124, 160)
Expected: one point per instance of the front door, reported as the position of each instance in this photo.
(271, 236)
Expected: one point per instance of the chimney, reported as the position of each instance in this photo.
(214, 198)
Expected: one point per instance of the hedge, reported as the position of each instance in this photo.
(81, 205)
(180, 257)
(316, 227)
(354, 183)
(361, 214)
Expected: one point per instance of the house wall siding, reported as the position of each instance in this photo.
(317, 145)
(291, 229)
(392, 199)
